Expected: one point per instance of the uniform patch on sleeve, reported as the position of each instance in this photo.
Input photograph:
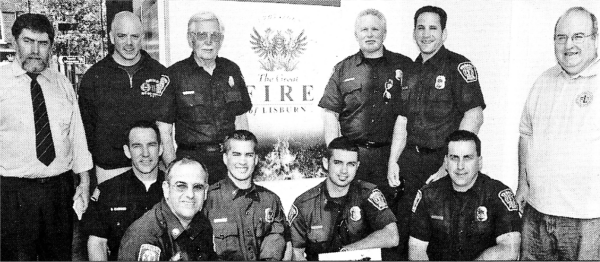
(417, 200)
(508, 199)
(269, 215)
(149, 253)
(377, 199)
(468, 72)
(293, 213)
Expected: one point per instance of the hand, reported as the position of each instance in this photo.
(393, 174)
(521, 197)
(437, 175)
(83, 191)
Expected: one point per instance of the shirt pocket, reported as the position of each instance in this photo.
(352, 94)
(191, 103)
(225, 237)
(439, 104)
(317, 235)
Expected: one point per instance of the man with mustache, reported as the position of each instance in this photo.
(559, 171)
(42, 143)
(124, 87)
(342, 213)
(247, 219)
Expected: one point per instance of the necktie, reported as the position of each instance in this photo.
(43, 134)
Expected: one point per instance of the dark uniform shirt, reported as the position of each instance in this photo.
(438, 94)
(111, 99)
(204, 106)
(158, 235)
(461, 225)
(247, 224)
(356, 91)
(121, 200)
(322, 224)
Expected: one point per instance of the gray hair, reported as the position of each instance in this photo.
(206, 16)
(373, 12)
(583, 10)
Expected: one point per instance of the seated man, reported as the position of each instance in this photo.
(341, 214)
(119, 201)
(247, 219)
(174, 229)
(466, 215)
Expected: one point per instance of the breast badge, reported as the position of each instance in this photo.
(355, 213)
(149, 253)
(481, 214)
(231, 82)
(399, 76)
(584, 99)
(468, 72)
(440, 82)
(153, 87)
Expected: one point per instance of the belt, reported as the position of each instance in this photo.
(206, 147)
(41, 180)
(371, 144)
(426, 150)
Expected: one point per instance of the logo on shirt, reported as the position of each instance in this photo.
(508, 199)
(584, 99)
(149, 253)
(153, 87)
(481, 214)
(293, 213)
(269, 215)
(440, 82)
(377, 199)
(417, 200)
(355, 213)
(468, 72)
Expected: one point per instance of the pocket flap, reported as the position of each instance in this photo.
(223, 230)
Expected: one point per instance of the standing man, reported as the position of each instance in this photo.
(122, 199)
(247, 219)
(358, 100)
(42, 143)
(442, 95)
(342, 213)
(559, 171)
(174, 229)
(124, 87)
(209, 98)
(466, 215)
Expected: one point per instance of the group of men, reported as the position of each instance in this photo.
(403, 158)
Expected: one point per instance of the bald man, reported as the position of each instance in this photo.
(125, 87)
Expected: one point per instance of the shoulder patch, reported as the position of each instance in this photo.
(377, 199)
(149, 253)
(417, 200)
(508, 199)
(293, 213)
(468, 72)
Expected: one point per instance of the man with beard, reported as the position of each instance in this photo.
(42, 143)
(247, 219)
(341, 213)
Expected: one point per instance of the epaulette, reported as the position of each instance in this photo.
(309, 194)
(214, 186)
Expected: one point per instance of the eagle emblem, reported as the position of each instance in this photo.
(278, 50)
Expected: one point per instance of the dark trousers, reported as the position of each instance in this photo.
(212, 161)
(37, 218)
(415, 168)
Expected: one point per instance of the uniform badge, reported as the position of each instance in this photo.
(468, 72)
(399, 75)
(175, 232)
(153, 87)
(440, 82)
(149, 253)
(293, 213)
(95, 195)
(584, 99)
(355, 213)
(508, 199)
(269, 215)
(231, 82)
(481, 214)
(417, 200)
(377, 199)
(388, 85)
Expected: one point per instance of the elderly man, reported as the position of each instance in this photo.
(42, 142)
(247, 219)
(124, 87)
(174, 229)
(466, 215)
(119, 201)
(559, 171)
(442, 95)
(342, 213)
(209, 98)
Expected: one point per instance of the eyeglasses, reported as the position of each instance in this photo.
(183, 187)
(576, 38)
(203, 36)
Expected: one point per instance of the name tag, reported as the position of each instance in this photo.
(437, 217)
(188, 92)
(118, 208)
(349, 79)
(316, 227)
(220, 220)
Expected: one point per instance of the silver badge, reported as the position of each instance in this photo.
(481, 214)
(440, 82)
(355, 213)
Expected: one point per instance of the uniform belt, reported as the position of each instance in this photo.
(426, 150)
(206, 147)
(41, 180)
(371, 144)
